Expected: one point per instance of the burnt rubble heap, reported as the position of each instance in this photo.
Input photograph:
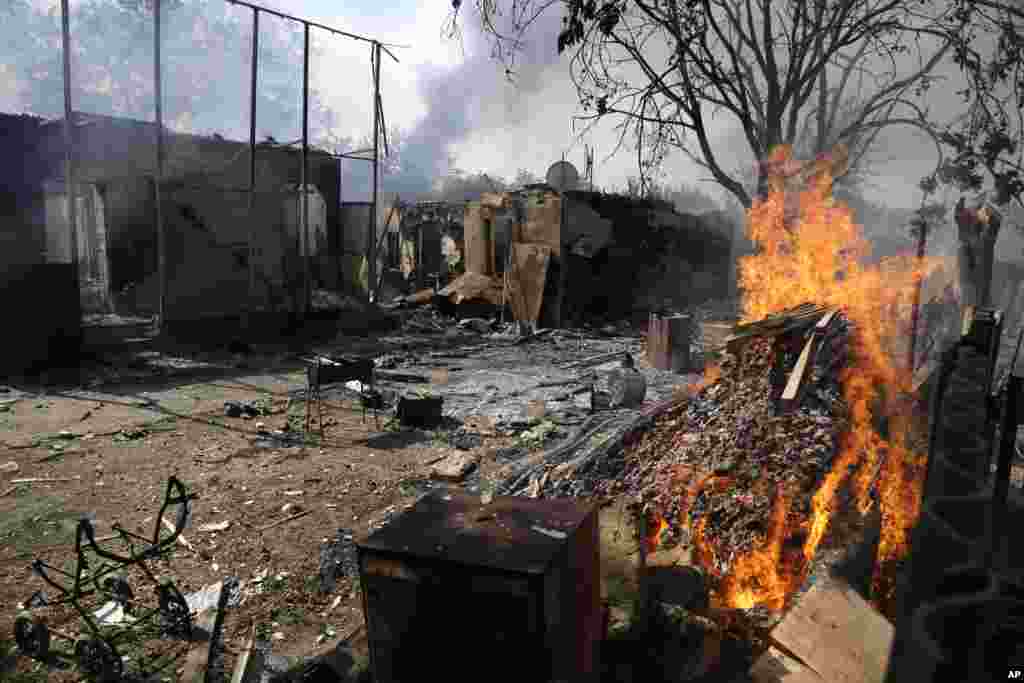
(724, 451)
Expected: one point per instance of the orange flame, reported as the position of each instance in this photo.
(758, 578)
(655, 528)
(815, 252)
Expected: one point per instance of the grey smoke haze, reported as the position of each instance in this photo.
(206, 57)
(457, 103)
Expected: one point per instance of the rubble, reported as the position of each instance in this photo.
(454, 468)
(723, 455)
(337, 559)
(242, 409)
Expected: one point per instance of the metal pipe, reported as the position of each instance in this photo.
(161, 234)
(69, 141)
(252, 160)
(289, 17)
(371, 265)
(307, 276)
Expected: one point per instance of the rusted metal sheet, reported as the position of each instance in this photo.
(526, 280)
(668, 342)
(513, 576)
(510, 534)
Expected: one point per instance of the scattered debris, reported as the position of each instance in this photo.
(337, 559)
(279, 438)
(283, 521)
(625, 388)
(197, 661)
(130, 434)
(478, 325)
(454, 468)
(181, 538)
(44, 480)
(215, 526)
(207, 597)
(10, 468)
(246, 409)
(112, 614)
(465, 440)
(535, 436)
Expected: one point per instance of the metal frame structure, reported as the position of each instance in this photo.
(70, 169)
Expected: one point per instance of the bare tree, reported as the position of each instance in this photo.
(836, 70)
(818, 75)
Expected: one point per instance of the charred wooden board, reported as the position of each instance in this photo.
(787, 322)
(798, 376)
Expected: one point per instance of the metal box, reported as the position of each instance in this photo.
(459, 590)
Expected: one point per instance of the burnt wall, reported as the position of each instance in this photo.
(657, 257)
(118, 155)
(22, 206)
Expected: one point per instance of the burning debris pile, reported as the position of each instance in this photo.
(809, 419)
(735, 467)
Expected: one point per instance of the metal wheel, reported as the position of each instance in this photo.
(175, 618)
(119, 589)
(32, 636)
(98, 660)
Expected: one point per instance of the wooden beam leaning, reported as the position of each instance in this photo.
(797, 382)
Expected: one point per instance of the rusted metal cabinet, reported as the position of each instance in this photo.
(465, 591)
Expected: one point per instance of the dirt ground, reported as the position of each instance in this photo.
(104, 440)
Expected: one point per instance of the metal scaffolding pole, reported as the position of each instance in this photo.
(161, 234)
(252, 163)
(307, 275)
(69, 140)
(371, 258)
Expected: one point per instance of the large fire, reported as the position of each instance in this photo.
(811, 250)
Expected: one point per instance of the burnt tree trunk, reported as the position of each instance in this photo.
(977, 232)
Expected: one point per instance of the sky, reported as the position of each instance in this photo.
(451, 99)
(504, 127)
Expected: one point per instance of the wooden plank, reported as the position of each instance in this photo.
(796, 377)
(799, 373)
(197, 661)
(837, 634)
(775, 666)
(778, 324)
(527, 279)
(242, 666)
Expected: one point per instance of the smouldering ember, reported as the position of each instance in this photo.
(810, 250)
